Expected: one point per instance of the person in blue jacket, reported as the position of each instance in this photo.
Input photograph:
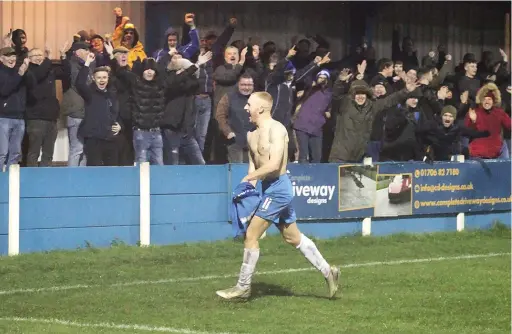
(172, 44)
(268, 156)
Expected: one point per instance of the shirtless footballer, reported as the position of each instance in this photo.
(267, 162)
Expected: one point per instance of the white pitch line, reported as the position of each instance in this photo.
(105, 325)
(272, 272)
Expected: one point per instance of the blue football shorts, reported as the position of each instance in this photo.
(275, 205)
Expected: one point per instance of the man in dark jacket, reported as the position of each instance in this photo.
(279, 81)
(445, 138)
(98, 47)
(225, 80)
(468, 81)
(431, 100)
(73, 104)
(233, 119)
(385, 68)
(179, 117)
(147, 104)
(101, 120)
(12, 106)
(119, 66)
(356, 113)
(400, 140)
(42, 108)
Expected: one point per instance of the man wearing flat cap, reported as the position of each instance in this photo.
(73, 104)
(124, 139)
(12, 106)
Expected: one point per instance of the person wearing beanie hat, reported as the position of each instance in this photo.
(445, 140)
(325, 74)
(147, 88)
(488, 116)
(379, 88)
(80, 46)
(448, 114)
(309, 119)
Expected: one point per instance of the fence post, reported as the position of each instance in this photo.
(14, 210)
(368, 161)
(461, 216)
(145, 199)
(367, 227)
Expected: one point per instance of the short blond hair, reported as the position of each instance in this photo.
(265, 99)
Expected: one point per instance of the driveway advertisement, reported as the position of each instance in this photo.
(331, 191)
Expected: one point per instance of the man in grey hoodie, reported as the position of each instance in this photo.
(73, 104)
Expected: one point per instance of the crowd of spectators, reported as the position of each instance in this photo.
(185, 103)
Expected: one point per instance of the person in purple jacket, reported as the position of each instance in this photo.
(314, 109)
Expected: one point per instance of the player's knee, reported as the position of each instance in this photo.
(251, 240)
(293, 240)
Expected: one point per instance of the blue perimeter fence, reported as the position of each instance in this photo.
(67, 208)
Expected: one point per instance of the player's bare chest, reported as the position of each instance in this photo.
(260, 144)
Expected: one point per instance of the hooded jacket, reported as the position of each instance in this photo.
(354, 122)
(400, 141)
(147, 98)
(136, 49)
(187, 51)
(283, 92)
(21, 51)
(493, 120)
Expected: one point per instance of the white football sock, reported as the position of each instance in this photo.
(251, 257)
(308, 248)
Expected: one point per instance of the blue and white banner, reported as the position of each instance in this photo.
(447, 187)
(331, 191)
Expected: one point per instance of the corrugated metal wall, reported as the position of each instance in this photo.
(276, 21)
(460, 26)
(53, 23)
